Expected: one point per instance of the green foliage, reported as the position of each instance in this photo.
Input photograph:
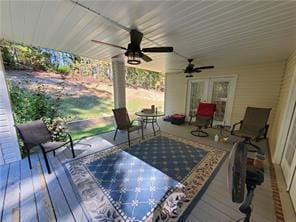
(20, 56)
(8, 58)
(144, 78)
(57, 127)
(63, 69)
(33, 105)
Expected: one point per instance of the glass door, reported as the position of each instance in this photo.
(197, 92)
(288, 162)
(213, 90)
(219, 93)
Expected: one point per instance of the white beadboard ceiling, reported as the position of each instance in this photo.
(220, 33)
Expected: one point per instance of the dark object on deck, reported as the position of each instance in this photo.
(253, 127)
(35, 133)
(123, 123)
(178, 119)
(204, 118)
(244, 172)
(167, 118)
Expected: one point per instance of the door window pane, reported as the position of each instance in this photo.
(219, 97)
(197, 94)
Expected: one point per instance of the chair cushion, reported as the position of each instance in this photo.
(50, 146)
(202, 121)
(206, 109)
(246, 133)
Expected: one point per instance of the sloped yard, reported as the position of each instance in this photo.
(86, 101)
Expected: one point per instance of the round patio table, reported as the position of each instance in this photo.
(150, 118)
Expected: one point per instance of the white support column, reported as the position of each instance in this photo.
(9, 148)
(118, 76)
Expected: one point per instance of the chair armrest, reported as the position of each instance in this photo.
(137, 120)
(266, 130)
(234, 125)
(262, 133)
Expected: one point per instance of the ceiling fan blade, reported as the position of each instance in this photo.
(196, 70)
(158, 49)
(205, 67)
(136, 37)
(109, 44)
(146, 58)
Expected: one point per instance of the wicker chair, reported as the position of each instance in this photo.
(34, 134)
(253, 127)
(123, 123)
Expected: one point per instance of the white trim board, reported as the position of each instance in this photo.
(280, 145)
(9, 147)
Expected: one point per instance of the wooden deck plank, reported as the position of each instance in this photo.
(205, 212)
(67, 188)
(3, 182)
(215, 204)
(44, 207)
(11, 210)
(228, 211)
(58, 200)
(28, 208)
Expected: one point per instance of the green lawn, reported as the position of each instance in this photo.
(92, 131)
(86, 107)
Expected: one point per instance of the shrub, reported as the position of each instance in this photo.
(33, 105)
(63, 69)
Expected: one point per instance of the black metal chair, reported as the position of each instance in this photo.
(204, 118)
(253, 127)
(36, 133)
(123, 123)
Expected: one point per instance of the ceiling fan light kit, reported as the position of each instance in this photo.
(133, 58)
(134, 52)
(191, 69)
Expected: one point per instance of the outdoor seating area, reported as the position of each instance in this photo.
(148, 111)
(52, 196)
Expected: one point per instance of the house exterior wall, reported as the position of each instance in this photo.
(257, 85)
(9, 148)
(282, 109)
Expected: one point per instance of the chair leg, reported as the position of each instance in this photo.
(54, 153)
(128, 138)
(72, 148)
(154, 132)
(142, 129)
(115, 134)
(29, 158)
(46, 160)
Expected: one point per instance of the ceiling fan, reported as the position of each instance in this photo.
(191, 69)
(134, 52)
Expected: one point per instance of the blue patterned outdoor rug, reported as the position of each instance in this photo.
(156, 179)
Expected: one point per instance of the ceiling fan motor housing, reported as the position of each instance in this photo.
(133, 54)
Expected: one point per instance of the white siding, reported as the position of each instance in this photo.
(9, 148)
(257, 85)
